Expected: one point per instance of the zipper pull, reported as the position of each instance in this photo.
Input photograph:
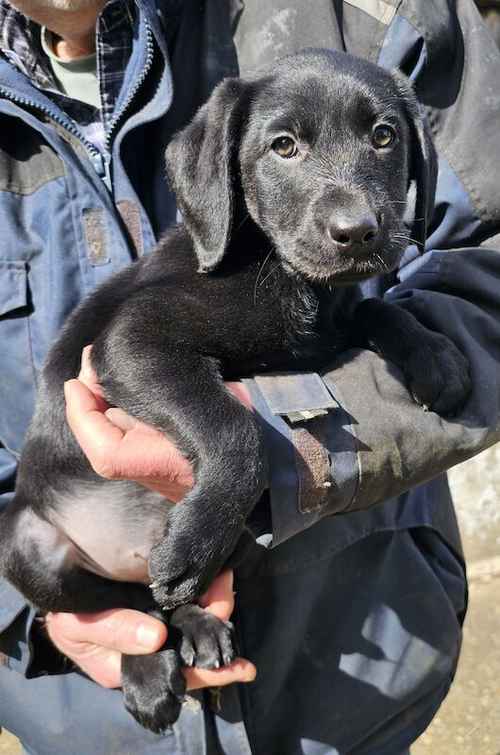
(98, 163)
(102, 168)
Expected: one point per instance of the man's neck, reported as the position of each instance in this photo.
(73, 30)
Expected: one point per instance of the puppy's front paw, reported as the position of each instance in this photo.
(438, 375)
(207, 642)
(153, 688)
(190, 555)
(178, 577)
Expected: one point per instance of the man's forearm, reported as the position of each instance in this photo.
(378, 443)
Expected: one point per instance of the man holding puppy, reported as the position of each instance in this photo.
(350, 605)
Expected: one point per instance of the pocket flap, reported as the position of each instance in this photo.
(13, 286)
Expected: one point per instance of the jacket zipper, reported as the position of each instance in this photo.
(100, 164)
(138, 84)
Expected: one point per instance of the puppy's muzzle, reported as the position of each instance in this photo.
(354, 233)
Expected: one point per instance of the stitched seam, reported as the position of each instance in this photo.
(32, 356)
(383, 12)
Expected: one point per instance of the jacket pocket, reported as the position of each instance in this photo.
(17, 373)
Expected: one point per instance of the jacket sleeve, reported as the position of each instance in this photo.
(16, 614)
(377, 443)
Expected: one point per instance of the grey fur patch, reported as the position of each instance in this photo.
(94, 225)
(131, 216)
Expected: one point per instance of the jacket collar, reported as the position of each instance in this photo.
(20, 40)
(20, 44)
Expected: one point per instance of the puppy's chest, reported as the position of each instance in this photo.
(282, 327)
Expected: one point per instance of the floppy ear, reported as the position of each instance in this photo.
(200, 165)
(423, 160)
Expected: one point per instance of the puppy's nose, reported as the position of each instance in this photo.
(353, 231)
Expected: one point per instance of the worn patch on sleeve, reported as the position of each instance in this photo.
(312, 462)
(295, 393)
(26, 162)
(131, 216)
(383, 10)
(94, 226)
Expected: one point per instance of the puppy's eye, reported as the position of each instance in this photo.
(284, 146)
(383, 136)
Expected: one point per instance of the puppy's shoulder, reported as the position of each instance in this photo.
(174, 255)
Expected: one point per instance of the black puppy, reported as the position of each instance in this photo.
(293, 186)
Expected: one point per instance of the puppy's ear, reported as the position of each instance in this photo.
(423, 159)
(200, 165)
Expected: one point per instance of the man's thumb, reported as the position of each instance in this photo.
(125, 630)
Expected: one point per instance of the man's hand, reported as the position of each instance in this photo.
(95, 642)
(120, 447)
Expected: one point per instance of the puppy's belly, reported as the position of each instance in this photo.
(113, 526)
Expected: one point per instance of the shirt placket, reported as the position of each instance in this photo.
(113, 48)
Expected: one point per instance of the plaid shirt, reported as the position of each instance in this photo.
(20, 43)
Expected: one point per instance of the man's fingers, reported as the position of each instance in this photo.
(240, 670)
(125, 422)
(123, 630)
(241, 392)
(98, 437)
(219, 598)
(95, 642)
(88, 376)
(122, 420)
(103, 666)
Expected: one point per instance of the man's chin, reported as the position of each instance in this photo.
(57, 5)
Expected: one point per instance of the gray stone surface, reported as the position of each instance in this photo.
(469, 720)
(476, 492)
(9, 744)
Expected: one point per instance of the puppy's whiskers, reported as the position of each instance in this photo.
(258, 281)
(385, 266)
(403, 237)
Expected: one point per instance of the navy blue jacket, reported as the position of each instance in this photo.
(351, 602)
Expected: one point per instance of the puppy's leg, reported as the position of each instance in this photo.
(154, 686)
(183, 395)
(204, 640)
(437, 373)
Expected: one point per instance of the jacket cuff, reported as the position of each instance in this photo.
(25, 646)
(16, 617)
(16, 621)
(398, 445)
(304, 484)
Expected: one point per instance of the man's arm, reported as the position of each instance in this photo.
(379, 443)
(16, 615)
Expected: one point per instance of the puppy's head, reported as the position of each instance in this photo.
(324, 149)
